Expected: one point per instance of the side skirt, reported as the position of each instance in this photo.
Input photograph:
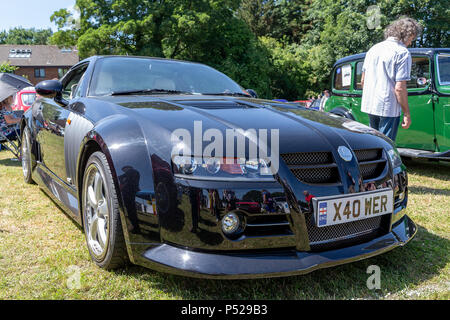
(60, 192)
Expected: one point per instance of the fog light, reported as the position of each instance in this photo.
(231, 223)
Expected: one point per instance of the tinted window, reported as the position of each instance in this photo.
(443, 69)
(358, 74)
(130, 74)
(343, 77)
(420, 68)
(72, 81)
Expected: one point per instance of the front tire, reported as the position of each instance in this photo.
(26, 155)
(102, 225)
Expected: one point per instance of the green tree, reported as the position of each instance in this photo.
(258, 15)
(206, 31)
(6, 67)
(288, 73)
(68, 29)
(25, 36)
(281, 48)
(342, 28)
(276, 18)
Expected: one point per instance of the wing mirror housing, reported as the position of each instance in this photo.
(51, 89)
(252, 93)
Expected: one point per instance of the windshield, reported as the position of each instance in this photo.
(28, 98)
(117, 75)
(444, 69)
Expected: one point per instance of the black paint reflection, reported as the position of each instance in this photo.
(195, 199)
(197, 219)
(268, 201)
(307, 205)
(214, 203)
(229, 197)
(129, 187)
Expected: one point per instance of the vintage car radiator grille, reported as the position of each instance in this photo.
(324, 237)
(312, 167)
(371, 163)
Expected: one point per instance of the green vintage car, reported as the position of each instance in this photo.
(428, 96)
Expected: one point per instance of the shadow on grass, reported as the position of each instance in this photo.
(421, 259)
(428, 191)
(12, 162)
(439, 169)
(50, 197)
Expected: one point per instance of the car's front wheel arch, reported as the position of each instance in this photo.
(343, 112)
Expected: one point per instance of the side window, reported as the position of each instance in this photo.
(358, 75)
(70, 84)
(77, 92)
(420, 70)
(443, 64)
(342, 77)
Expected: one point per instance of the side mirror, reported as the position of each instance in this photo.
(51, 89)
(252, 93)
(422, 81)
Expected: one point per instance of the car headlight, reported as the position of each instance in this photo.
(394, 157)
(221, 168)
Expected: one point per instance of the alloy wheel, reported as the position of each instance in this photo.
(96, 208)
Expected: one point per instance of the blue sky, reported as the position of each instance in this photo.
(30, 13)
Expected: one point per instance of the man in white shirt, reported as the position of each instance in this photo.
(326, 95)
(386, 69)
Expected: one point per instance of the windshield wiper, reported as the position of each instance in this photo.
(233, 94)
(148, 91)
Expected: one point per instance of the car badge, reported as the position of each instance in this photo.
(345, 153)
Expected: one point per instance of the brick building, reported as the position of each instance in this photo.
(39, 62)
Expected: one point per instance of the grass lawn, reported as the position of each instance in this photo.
(42, 252)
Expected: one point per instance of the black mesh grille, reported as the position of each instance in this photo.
(371, 163)
(368, 154)
(307, 158)
(368, 171)
(317, 236)
(312, 167)
(317, 175)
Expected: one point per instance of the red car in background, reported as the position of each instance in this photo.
(24, 99)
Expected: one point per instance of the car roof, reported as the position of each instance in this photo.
(426, 51)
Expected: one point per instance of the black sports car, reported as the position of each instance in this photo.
(172, 165)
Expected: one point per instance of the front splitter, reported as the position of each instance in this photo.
(241, 265)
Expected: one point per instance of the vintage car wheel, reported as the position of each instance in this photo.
(102, 225)
(27, 164)
(343, 112)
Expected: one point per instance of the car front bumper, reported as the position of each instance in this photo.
(181, 261)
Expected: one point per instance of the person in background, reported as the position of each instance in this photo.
(326, 95)
(7, 118)
(386, 69)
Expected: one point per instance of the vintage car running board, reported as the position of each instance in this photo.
(414, 153)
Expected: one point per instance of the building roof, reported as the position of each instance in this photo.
(38, 55)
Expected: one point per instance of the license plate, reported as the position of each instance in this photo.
(346, 208)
